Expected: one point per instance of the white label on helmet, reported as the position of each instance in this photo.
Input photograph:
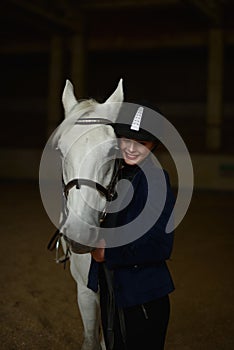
(137, 119)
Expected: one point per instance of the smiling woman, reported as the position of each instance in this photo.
(134, 151)
(131, 127)
(134, 278)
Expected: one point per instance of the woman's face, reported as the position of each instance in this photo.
(134, 151)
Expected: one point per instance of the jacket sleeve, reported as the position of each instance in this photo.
(153, 247)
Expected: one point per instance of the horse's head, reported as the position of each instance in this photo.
(85, 141)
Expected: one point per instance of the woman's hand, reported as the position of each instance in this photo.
(98, 254)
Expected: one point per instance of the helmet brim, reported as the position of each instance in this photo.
(124, 130)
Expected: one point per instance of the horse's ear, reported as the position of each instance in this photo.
(111, 107)
(117, 95)
(68, 97)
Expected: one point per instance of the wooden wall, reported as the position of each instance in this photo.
(180, 62)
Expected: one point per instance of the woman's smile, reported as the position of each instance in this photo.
(135, 151)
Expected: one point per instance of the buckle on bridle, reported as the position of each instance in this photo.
(55, 243)
(61, 259)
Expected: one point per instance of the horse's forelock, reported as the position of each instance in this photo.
(87, 103)
(84, 106)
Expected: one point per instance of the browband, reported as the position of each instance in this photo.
(90, 121)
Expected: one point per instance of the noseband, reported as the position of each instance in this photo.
(108, 193)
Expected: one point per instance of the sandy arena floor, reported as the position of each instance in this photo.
(38, 297)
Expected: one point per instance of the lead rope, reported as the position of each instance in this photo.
(110, 308)
(109, 280)
(111, 311)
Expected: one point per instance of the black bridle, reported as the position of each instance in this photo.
(109, 193)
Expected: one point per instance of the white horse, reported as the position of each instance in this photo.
(84, 142)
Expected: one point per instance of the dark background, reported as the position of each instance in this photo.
(159, 48)
(179, 54)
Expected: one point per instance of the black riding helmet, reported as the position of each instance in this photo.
(134, 121)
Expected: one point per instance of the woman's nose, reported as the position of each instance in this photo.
(132, 146)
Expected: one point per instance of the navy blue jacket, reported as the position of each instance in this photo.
(140, 272)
